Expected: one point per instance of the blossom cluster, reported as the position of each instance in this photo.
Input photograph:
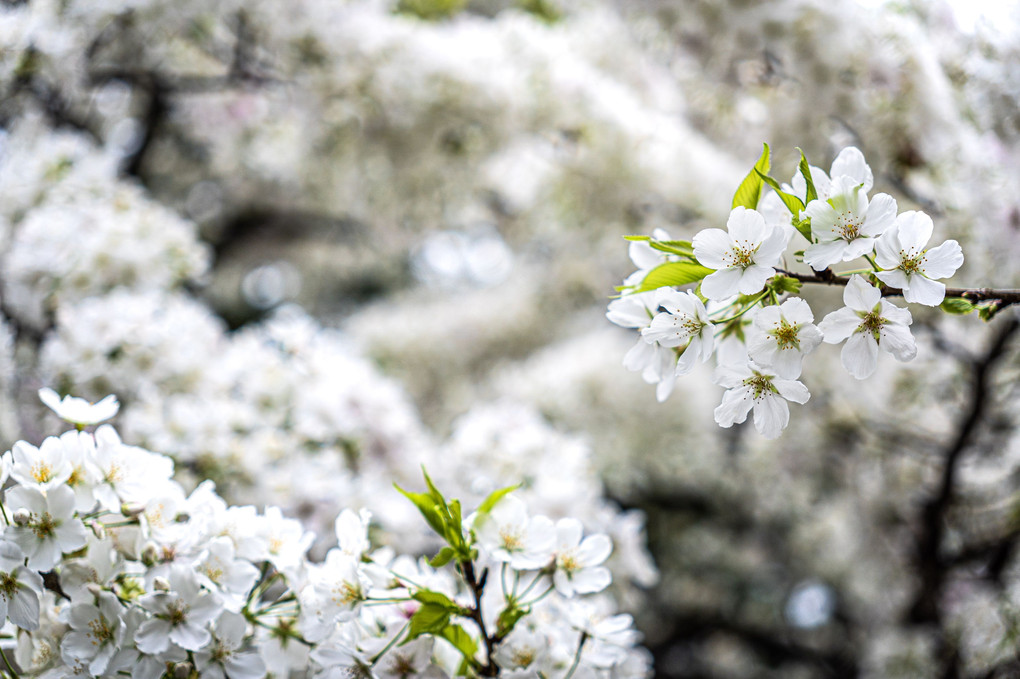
(107, 567)
(745, 310)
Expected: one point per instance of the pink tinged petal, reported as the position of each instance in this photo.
(895, 278)
(850, 162)
(594, 550)
(860, 355)
(746, 227)
(792, 390)
(153, 636)
(925, 291)
(771, 415)
(897, 340)
(771, 250)
(860, 295)
(711, 246)
(189, 636)
(881, 215)
(591, 580)
(943, 261)
(23, 609)
(736, 403)
(753, 279)
(722, 284)
(820, 256)
(858, 247)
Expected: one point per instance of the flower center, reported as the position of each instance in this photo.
(42, 472)
(177, 613)
(511, 539)
(760, 386)
(45, 527)
(872, 323)
(100, 631)
(346, 594)
(911, 263)
(741, 255)
(523, 657)
(786, 335)
(568, 562)
(8, 586)
(848, 225)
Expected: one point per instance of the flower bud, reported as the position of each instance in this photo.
(182, 670)
(98, 529)
(22, 517)
(160, 584)
(150, 554)
(131, 509)
(94, 589)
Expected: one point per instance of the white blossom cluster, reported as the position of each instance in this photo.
(742, 310)
(108, 568)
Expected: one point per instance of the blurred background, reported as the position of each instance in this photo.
(314, 244)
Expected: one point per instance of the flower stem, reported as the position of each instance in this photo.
(7, 662)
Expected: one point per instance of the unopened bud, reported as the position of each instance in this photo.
(131, 509)
(150, 554)
(98, 529)
(160, 584)
(94, 589)
(182, 670)
(22, 517)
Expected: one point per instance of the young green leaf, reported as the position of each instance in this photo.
(749, 191)
(783, 284)
(673, 273)
(957, 305)
(428, 619)
(426, 504)
(792, 202)
(805, 171)
(508, 619)
(461, 640)
(494, 497)
(444, 557)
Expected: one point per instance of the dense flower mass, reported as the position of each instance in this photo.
(759, 362)
(153, 578)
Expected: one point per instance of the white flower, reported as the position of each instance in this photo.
(523, 652)
(845, 224)
(180, 615)
(335, 593)
(870, 323)
(684, 324)
(219, 571)
(646, 258)
(78, 411)
(911, 267)
(51, 529)
(96, 633)
(781, 336)
(578, 569)
(655, 362)
(223, 658)
(750, 386)
(44, 467)
(507, 534)
(19, 588)
(744, 258)
(848, 163)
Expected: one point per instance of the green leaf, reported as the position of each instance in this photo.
(494, 497)
(804, 227)
(638, 238)
(427, 596)
(805, 171)
(444, 557)
(461, 640)
(987, 311)
(673, 273)
(683, 248)
(429, 619)
(957, 305)
(749, 191)
(792, 202)
(433, 491)
(508, 619)
(783, 284)
(426, 504)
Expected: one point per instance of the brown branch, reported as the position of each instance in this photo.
(1004, 298)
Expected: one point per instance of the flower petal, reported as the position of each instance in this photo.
(736, 403)
(861, 295)
(771, 415)
(923, 290)
(881, 215)
(850, 162)
(746, 226)
(710, 247)
(722, 284)
(897, 340)
(820, 256)
(860, 355)
(943, 261)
